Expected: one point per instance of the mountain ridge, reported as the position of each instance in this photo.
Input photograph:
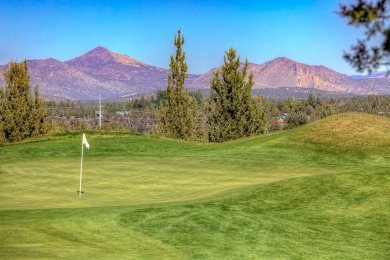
(105, 55)
(374, 75)
(116, 76)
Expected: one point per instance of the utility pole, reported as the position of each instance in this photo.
(100, 113)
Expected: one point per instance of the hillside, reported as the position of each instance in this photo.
(101, 71)
(351, 131)
(121, 74)
(328, 216)
(118, 76)
(285, 73)
(304, 193)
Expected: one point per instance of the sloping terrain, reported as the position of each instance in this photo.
(327, 216)
(285, 73)
(290, 194)
(101, 71)
(350, 131)
(121, 74)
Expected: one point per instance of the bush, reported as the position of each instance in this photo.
(296, 119)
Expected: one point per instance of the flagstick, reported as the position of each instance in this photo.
(81, 167)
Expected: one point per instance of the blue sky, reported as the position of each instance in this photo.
(305, 31)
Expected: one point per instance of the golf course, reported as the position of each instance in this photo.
(319, 191)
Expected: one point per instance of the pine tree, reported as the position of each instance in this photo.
(180, 118)
(231, 111)
(39, 125)
(21, 116)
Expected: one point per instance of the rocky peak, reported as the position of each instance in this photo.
(99, 49)
(101, 55)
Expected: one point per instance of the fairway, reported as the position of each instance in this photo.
(318, 191)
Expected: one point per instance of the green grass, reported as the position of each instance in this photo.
(319, 191)
(328, 216)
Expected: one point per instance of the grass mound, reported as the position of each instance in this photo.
(328, 216)
(338, 216)
(349, 131)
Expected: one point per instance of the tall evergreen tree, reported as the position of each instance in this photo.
(180, 118)
(40, 124)
(231, 111)
(21, 115)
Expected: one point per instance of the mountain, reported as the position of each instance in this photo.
(285, 73)
(203, 80)
(119, 76)
(59, 80)
(100, 70)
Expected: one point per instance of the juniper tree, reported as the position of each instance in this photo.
(180, 118)
(231, 111)
(39, 125)
(21, 115)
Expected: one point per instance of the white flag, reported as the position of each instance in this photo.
(85, 141)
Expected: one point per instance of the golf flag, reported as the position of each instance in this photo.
(85, 141)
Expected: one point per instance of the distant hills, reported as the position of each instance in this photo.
(119, 76)
(375, 75)
(285, 73)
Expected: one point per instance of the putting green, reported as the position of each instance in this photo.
(290, 194)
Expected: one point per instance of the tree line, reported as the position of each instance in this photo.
(80, 116)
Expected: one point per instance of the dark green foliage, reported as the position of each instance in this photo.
(16, 103)
(314, 100)
(142, 103)
(327, 110)
(162, 98)
(21, 115)
(40, 125)
(296, 119)
(231, 111)
(315, 107)
(79, 126)
(373, 17)
(197, 96)
(63, 126)
(153, 103)
(180, 118)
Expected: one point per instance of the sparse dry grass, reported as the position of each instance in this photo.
(357, 131)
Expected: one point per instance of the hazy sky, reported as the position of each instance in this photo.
(306, 31)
